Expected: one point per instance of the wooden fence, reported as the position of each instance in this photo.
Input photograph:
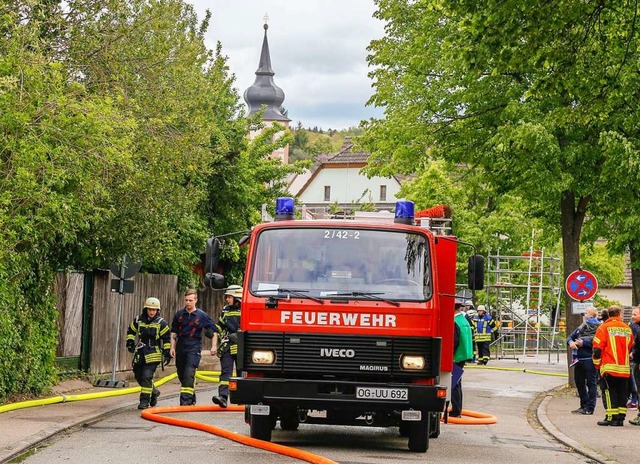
(101, 327)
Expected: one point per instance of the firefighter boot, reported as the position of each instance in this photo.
(154, 397)
(220, 401)
(144, 404)
(618, 420)
(144, 400)
(606, 421)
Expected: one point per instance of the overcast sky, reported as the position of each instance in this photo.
(318, 53)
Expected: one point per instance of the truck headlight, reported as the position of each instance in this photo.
(263, 357)
(412, 362)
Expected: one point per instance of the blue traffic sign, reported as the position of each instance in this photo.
(581, 285)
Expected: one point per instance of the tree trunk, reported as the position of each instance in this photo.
(572, 219)
(634, 262)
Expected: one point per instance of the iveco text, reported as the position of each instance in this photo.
(336, 353)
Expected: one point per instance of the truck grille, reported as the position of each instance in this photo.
(298, 353)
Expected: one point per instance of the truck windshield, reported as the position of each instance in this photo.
(339, 262)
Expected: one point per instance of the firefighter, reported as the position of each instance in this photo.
(485, 325)
(611, 345)
(225, 341)
(148, 338)
(187, 328)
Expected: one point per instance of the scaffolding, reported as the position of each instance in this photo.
(524, 294)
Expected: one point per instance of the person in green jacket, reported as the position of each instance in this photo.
(462, 352)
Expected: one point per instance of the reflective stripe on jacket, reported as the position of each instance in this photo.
(229, 323)
(611, 345)
(152, 333)
(484, 325)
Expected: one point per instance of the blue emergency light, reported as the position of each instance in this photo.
(285, 208)
(404, 212)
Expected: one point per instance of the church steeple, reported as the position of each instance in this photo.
(264, 91)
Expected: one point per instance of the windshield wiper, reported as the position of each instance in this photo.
(369, 296)
(298, 293)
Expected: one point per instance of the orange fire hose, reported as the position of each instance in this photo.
(154, 414)
(473, 418)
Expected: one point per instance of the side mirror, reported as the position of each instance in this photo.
(244, 240)
(211, 258)
(212, 255)
(214, 280)
(475, 275)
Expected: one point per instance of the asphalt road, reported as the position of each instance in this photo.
(510, 395)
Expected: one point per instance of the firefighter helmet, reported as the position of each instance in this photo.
(152, 303)
(481, 308)
(234, 291)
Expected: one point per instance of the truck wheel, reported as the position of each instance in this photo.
(289, 420)
(419, 434)
(261, 427)
(434, 425)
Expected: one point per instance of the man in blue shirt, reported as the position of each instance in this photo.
(187, 328)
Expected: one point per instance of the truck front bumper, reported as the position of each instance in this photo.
(324, 394)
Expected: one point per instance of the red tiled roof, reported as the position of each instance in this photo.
(345, 155)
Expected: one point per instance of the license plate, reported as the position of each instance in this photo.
(373, 393)
(260, 410)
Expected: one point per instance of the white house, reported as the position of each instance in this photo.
(337, 180)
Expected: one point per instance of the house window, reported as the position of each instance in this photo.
(383, 193)
(327, 193)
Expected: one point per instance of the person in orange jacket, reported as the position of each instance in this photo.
(611, 346)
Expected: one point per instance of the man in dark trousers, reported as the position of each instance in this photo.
(148, 338)
(581, 340)
(225, 341)
(187, 328)
(462, 352)
(485, 325)
(635, 355)
(611, 346)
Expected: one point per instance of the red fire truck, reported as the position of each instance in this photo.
(347, 322)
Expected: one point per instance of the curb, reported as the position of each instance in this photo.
(32, 441)
(554, 431)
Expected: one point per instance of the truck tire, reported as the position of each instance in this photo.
(261, 427)
(434, 425)
(419, 434)
(289, 420)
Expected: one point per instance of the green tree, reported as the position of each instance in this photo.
(320, 145)
(493, 224)
(300, 138)
(541, 99)
(60, 149)
(119, 131)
